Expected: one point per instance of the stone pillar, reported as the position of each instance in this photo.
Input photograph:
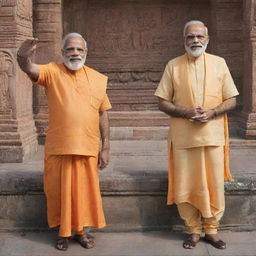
(47, 25)
(17, 129)
(248, 115)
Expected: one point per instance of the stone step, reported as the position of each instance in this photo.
(138, 118)
(134, 188)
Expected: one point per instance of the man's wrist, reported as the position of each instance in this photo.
(105, 144)
(184, 113)
(215, 113)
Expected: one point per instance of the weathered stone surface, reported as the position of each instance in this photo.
(134, 58)
(47, 15)
(248, 120)
(134, 188)
(127, 206)
(17, 129)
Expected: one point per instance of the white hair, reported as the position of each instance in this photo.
(70, 35)
(192, 22)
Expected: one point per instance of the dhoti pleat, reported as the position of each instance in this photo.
(198, 179)
(71, 185)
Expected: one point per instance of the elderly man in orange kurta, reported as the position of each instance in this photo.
(78, 105)
(197, 90)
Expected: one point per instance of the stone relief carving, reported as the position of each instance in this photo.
(6, 71)
(133, 76)
(7, 2)
(24, 9)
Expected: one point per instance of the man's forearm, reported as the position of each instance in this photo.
(104, 130)
(24, 54)
(24, 63)
(172, 110)
(225, 106)
(28, 67)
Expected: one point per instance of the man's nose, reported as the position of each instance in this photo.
(75, 52)
(195, 39)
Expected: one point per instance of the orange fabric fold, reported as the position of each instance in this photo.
(227, 173)
(71, 184)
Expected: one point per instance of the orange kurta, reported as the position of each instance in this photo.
(71, 180)
(189, 83)
(74, 101)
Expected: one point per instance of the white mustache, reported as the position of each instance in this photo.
(196, 44)
(75, 58)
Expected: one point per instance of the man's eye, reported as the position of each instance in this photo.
(190, 37)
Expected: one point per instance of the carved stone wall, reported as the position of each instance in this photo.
(248, 114)
(132, 41)
(17, 129)
(47, 26)
(226, 36)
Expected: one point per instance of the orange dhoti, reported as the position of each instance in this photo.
(71, 185)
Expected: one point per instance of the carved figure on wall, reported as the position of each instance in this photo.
(6, 71)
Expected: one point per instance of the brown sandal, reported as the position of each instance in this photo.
(62, 244)
(189, 243)
(217, 244)
(85, 240)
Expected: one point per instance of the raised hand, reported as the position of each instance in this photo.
(27, 48)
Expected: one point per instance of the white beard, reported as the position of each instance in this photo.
(74, 65)
(198, 52)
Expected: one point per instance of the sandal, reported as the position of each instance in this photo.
(189, 243)
(217, 244)
(62, 244)
(86, 241)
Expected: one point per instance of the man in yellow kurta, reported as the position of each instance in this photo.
(78, 105)
(197, 90)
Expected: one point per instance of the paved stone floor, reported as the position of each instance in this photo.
(155, 243)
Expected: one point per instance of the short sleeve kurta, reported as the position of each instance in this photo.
(204, 81)
(75, 99)
(165, 88)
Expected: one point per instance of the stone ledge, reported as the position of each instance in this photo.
(21, 182)
(132, 201)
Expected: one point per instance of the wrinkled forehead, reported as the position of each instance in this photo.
(195, 29)
(75, 42)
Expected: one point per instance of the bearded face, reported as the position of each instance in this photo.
(196, 40)
(74, 53)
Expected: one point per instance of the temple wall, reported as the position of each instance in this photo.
(130, 41)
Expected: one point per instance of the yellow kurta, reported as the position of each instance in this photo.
(206, 82)
(71, 180)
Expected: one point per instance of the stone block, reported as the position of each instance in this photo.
(132, 201)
